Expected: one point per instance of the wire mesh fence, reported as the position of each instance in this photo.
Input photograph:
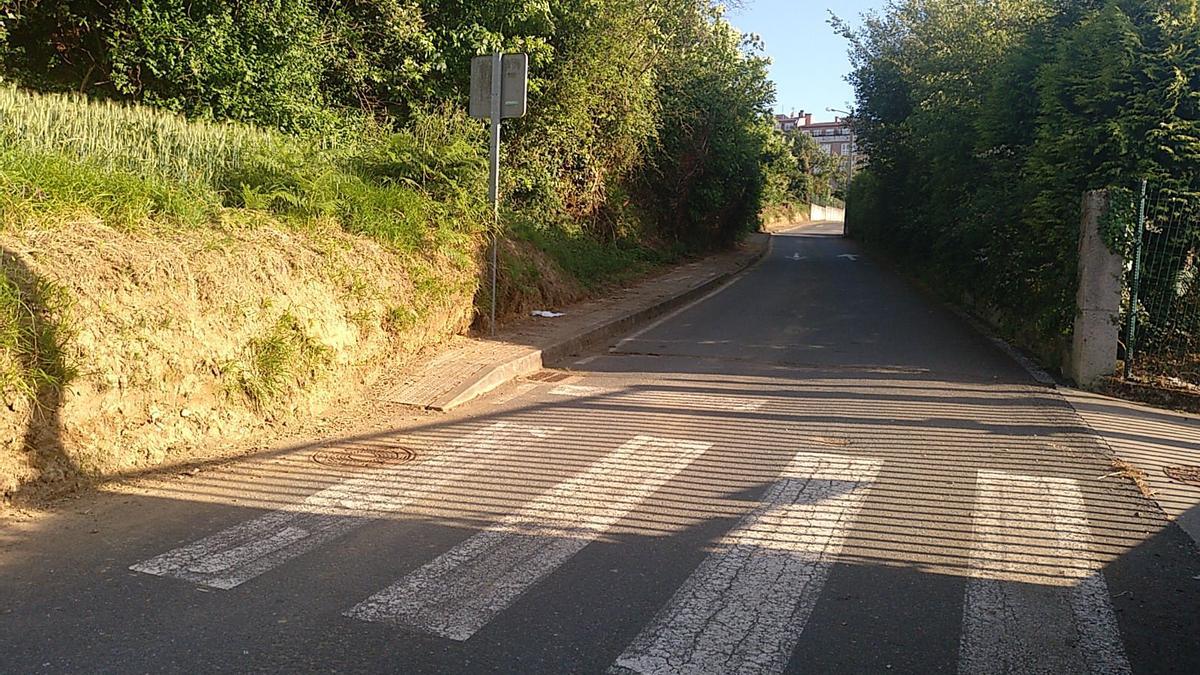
(1163, 331)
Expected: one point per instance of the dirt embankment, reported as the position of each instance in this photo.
(122, 350)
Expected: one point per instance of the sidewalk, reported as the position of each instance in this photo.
(1154, 441)
(472, 367)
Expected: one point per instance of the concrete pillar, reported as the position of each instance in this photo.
(1098, 300)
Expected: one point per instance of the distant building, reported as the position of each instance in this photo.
(835, 137)
(787, 123)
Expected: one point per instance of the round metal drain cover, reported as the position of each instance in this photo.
(363, 455)
(1183, 474)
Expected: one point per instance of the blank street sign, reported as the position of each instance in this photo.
(513, 86)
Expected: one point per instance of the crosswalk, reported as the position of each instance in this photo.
(236, 555)
(746, 605)
(458, 593)
(1036, 600)
(1035, 595)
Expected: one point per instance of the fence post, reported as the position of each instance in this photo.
(1098, 299)
(1135, 284)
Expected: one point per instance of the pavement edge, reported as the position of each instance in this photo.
(503, 372)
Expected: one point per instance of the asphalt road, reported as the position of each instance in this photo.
(815, 469)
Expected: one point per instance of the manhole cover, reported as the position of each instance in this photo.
(1183, 474)
(363, 455)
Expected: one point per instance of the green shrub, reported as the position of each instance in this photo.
(590, 261)
(284, 359)
(986, 121)
(33, 337)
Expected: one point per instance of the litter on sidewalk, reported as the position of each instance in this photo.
(545, 314)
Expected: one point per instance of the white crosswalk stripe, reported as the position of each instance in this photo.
(744, 608)
(235, 555)
(458, 593)
(1037, 601)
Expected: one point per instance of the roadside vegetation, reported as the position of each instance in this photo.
(220, 217)
(799, 173)
(985, 122)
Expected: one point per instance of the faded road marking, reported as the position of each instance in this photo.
(686, 400)
(576, 390)
(1037, 601)
(465, 588)
(242, 552)
(744, 608)
(683, 400)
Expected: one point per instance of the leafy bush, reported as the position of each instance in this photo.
(648, 122)
(984, 123)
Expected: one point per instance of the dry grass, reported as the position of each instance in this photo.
(1133, 473)
(186, 338)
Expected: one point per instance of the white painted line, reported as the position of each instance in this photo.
(1037, 600)
(693, 401)
(461, 591)
(744, 608)
(242, 552)
(636, 334)
(575, 390)
(664, 397)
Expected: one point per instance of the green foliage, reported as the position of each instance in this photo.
(707, 171)
(34, 364)
(48, 184)
(127, 164)
(284, 359)
(117, 136)
(985, 121)
(799, 171)
(592, 262)
(648, 121)
(291, 64)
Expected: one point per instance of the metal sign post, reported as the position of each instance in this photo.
(499, 90)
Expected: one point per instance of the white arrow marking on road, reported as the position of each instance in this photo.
(797, 256)
(744, 608)
(849, 256)
(1037, 600)
(462, 590)
(240, 553)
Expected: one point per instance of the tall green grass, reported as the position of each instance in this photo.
(125, 137)
(592, 262)
(417, 188)
(283, 359)
(32, 336)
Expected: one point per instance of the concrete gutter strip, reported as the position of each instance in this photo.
(514, 363)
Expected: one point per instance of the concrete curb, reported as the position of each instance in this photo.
(535, 359)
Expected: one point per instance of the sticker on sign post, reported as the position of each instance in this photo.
(514, 79)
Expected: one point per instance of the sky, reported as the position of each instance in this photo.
(809, 61)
